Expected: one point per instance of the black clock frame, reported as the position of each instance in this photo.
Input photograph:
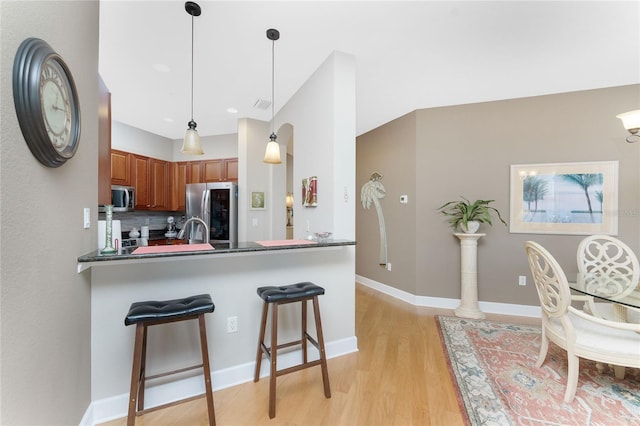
(27, 66)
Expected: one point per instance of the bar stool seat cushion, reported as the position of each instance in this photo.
(159, 310)
(273, 294)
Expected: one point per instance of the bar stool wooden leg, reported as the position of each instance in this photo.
(263, 327)
(303, 338)
(323, 355)
(273, 355)
(207, 370)
(143, 370)
(135, 374)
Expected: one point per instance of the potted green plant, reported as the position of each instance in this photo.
(468, 215)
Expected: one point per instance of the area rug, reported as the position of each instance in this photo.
(493, 367)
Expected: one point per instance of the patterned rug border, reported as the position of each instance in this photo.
(481, 402)
(445, 349)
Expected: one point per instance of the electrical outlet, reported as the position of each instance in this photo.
(232, 324)
(522, 280)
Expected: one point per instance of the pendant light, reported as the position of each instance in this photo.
(191, 143)
(272, 154)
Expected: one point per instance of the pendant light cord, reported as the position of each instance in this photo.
(191, 67)
(273, 72)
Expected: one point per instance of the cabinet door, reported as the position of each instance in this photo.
(141, 182)
(194, 172)
(213, 170)
(231, 170)
(158, 184)
(178, 173)
(120, 168)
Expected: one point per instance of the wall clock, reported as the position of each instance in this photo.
(46, 102)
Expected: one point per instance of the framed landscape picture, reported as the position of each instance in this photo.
(564, 198)
(258, 200)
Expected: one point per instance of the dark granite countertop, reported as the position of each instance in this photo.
(243, 247)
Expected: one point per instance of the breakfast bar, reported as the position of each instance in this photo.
(231, 274)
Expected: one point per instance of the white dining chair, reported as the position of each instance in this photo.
(580, 334)
(616, 272)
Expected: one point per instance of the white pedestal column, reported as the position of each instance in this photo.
(469, 276)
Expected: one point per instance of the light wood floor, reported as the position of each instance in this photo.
(399, 376)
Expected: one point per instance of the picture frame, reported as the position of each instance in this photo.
(310, 191)
(564, 198)
(258, 200)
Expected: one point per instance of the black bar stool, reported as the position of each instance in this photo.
(146, 314)
(276, 296)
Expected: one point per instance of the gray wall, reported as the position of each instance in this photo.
(45, 305)
(467, 150)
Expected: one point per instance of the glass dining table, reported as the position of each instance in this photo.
(617, 289)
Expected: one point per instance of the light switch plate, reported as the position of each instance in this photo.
(87, 218)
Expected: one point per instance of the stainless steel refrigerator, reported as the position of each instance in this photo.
(216, 204)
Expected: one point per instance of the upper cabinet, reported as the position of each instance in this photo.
(150, 178)
(220, 170)
(160, 185)
(120, 168)
(231, 169)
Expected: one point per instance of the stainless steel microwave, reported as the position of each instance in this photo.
(123, 198)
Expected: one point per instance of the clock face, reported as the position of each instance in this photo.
(55, 103)
(46, 102)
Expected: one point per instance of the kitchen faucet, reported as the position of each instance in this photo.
(189, 222)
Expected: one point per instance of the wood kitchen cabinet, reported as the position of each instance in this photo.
(220, 170)
(231, 169)
(159, 184)
(120, 168)
(150, 178)
(178, 179)
(194, 171)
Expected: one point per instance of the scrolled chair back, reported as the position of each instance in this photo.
(550, 280)
(609, 264)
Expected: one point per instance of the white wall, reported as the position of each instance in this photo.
(322, 114)
(320, 118)
(254, 175)
(131, 139)
(219, 146)
(45, 303)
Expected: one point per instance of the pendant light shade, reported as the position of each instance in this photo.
(191, 143)
(272, 153)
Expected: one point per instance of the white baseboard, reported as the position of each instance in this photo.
(446, 303)
(115, 407)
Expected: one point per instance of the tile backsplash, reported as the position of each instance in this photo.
(155, 220)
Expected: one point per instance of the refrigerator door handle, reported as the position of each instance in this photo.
(206, 206)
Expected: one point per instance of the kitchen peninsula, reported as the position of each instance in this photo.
(231, 274)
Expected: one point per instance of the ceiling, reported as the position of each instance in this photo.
(408, 55)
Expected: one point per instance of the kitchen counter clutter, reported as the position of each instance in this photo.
(164, 252)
